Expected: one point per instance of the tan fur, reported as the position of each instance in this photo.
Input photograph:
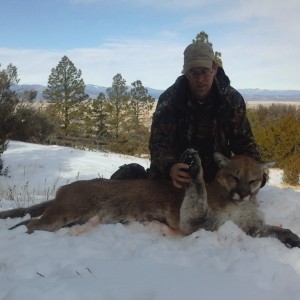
(230, 197)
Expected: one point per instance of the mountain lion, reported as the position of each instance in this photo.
(231, 196)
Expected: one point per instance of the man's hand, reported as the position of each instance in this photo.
(179, 175)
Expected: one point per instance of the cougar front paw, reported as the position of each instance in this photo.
(188, 157)
(291, 239)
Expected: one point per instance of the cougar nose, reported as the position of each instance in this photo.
(244, 195)
(240, 196)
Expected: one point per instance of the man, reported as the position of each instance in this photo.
(200, 110)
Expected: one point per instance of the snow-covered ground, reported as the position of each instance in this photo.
(135, 262)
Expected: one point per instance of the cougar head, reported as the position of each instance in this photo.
(241, 176)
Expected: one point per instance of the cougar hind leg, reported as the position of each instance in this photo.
(57, 216)
(47, 224)
(37, 224)
(20, 224)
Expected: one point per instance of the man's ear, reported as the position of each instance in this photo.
(215, 69)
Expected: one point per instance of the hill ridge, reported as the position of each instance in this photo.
(249, 94)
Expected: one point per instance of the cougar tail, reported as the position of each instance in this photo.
(34, 211)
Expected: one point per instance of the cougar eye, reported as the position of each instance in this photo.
(235, 178)
(252, 181)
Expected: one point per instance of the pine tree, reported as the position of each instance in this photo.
(118, 105)
(100, 114)
(65, 90)
(95, 116)
(8, 102)
(141, 104)
(203, 37)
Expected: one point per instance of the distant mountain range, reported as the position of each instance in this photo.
(248, 94)
(92, 90)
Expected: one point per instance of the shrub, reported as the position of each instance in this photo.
(30, 125)
(291, 170)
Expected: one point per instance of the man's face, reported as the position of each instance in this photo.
(201, 80)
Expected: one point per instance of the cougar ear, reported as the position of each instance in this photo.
(221, 160)
(267, 165)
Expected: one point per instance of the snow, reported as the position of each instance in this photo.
(135, 262)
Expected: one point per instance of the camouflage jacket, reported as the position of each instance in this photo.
(218, 125)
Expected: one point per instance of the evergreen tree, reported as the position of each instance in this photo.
(96, 116)
(8, 102)
(203, 37)
(65, 90)
(100, 114)
(118, 105)
(141, 104)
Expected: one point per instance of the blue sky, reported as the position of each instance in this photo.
(145, 39)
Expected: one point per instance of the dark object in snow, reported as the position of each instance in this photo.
(130, 171)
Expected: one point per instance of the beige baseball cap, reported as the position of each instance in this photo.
(196, 55)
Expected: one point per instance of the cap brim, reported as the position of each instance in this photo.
(204, 63)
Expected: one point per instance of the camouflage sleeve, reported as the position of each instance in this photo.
(241, 138)
(162, 143)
